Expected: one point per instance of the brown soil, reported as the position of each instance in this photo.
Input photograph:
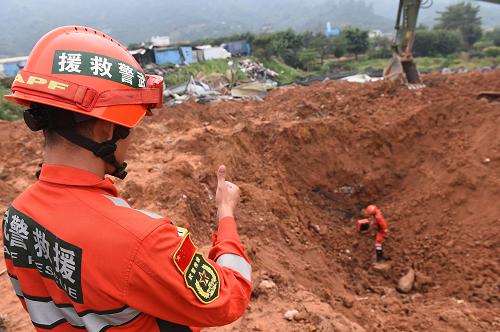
(307, 160)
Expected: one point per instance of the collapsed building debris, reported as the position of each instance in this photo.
(256, 71)
(219, 87)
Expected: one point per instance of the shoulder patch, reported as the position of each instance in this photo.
(181, 232)
(184, 254)
(199, 275)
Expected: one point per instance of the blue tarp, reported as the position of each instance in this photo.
(174, 56)
(11, 69)
(238, 48)
(187, 53)
(168, 56)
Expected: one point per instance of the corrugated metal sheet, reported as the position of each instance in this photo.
(198, 56)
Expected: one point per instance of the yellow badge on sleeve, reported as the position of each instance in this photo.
(200, 276)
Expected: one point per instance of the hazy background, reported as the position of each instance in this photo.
(23, 22)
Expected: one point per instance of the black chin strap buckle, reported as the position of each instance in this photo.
(120, 171)
(106, 150)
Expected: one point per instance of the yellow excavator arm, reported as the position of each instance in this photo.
(402, 67)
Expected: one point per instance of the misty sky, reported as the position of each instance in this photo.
(23, 22)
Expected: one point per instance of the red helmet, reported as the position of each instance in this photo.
(371, 210)
(85, 71)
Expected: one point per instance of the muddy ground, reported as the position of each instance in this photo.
(307, 160)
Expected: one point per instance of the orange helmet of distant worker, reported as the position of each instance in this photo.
(86, 72)
(371, 210)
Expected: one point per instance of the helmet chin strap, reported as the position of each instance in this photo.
(63, 122)
(105, 150)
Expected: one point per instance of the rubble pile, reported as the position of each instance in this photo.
(218, 87)
(256, 70)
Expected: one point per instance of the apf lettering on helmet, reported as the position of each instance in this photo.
(32, 80)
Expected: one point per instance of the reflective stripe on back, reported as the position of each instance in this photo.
(16, 286)
(48, 315)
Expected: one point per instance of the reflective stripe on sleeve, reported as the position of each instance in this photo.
(117, 201)
(150, 214)
(47, 314)
(236, 263)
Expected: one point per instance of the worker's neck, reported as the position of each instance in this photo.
(75, 157)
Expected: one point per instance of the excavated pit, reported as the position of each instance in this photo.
(307, 160)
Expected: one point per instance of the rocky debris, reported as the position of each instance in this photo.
(349, 190)
(422, 281)
(291, 314)
(456, 320)
(340, 323)
(312, 328)
(3, 324)
(348, 301)
(405, 284)
(153, 68)
(382, 267)
(266, 285)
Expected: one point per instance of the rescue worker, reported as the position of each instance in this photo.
(78, 255)
(378, 221)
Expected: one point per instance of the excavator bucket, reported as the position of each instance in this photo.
(410, 69)
(403, 70)
(394, 71)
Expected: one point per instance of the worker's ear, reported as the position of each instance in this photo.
(102, 131)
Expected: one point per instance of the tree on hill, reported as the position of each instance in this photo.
(356, 40)
(493, 36)
(380, 47)
(462, 17)
(436, 42)
(323, 45)
(307, 57)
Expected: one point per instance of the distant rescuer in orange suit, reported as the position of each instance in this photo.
(378, 221)
(78, 255)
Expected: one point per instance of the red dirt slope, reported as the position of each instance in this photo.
(307, 160)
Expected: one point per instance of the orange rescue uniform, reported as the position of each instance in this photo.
(80, 257)
(378, 221)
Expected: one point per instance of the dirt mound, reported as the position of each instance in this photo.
(307, 160)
